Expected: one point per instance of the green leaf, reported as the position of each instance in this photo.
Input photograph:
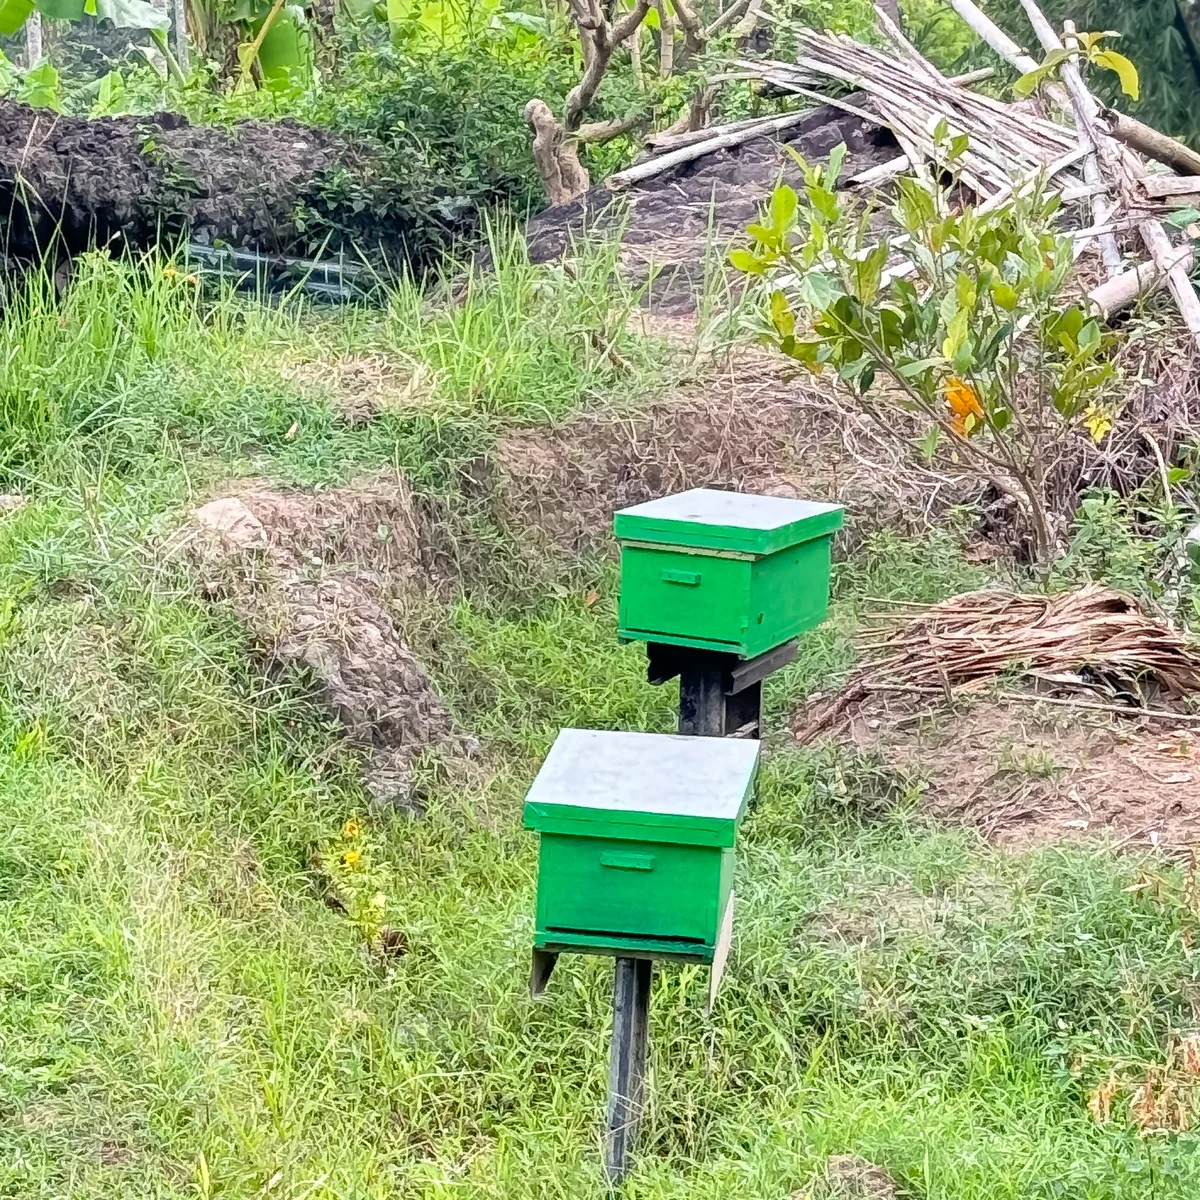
(133, 14)
(1126, 72)
(39, 87)
(1030, 82)
(824, 201)
(1181, 218)
(868, 273)
(1002, 418)
(927, 445)
(964, 356)
(1005, 295)
(956, 334)
(817, 291)
(784, 204)
(1178, 475)
(913, 369)
(948, 308)
(964, 289)
(837, 156)
(743, 260)
(959, 146)
(13, 14)
(782, 316)
(763, 235)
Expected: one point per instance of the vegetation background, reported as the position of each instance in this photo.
(184, 1012)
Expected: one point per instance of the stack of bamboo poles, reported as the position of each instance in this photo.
(1092, 155)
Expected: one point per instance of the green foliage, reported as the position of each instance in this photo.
(132, 353)
(976, 337)
(1136, 544)
(1090, 51)
(1160, 37)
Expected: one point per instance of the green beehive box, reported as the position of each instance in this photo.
(724, 570)
(637, 842)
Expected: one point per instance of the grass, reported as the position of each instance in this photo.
(182, 1015)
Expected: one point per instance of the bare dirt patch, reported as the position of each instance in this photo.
(314, 577)
(746, 421)
(1025, 774)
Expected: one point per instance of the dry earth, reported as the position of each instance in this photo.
(1026, 773)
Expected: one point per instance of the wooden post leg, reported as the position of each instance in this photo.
(630, 1037)
(702, 696)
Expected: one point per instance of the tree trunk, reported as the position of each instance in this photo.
(33, 38)
(183, 49)
(325, 28)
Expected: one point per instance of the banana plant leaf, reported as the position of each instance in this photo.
(129, 14)
(61, 10)
(286, 53)
(13, 14)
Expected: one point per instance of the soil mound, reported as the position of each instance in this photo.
(312, 576)
(673, 223)
(270, 186)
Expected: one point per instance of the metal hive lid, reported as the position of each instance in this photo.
(599, 778)
(716, 520)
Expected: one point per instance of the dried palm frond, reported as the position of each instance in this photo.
(1084, 641)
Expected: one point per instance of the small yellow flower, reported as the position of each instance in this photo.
(351, 857)
(1097, 421)
(351, 829)
(379, 900)
(192, 279)
(169, 272)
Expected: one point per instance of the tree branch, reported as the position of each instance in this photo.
(666, 39)
(693, 30)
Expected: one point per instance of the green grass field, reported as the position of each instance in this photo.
(181, 1013)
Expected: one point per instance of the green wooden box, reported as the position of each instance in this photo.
(724, 570)
(637, 842)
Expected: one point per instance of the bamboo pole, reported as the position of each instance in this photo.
(1102, 206)
(1118, 293)
(1151, 143)
(1123, 167)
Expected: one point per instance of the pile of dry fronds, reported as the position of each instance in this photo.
(1094, 641)
(963, 643)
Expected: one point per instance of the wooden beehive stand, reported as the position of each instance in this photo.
(1095, 157)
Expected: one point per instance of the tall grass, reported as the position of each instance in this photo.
(135, 355)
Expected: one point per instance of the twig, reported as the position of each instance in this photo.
(664, 162)
(1154, 714)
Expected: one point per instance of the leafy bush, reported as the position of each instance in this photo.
(974, 334)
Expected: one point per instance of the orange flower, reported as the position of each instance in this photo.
(963, 403)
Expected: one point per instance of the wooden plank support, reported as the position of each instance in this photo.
(627, 1066)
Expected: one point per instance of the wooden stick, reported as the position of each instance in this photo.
(1158, 187)
(664, 162)
(1151, 143)
(994, 36)
(896, 34)
(660, 143)
(1119, 292)
(1122, 165)
(1154, 714)
(1102, 207)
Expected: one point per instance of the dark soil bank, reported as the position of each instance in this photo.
(277, 187)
